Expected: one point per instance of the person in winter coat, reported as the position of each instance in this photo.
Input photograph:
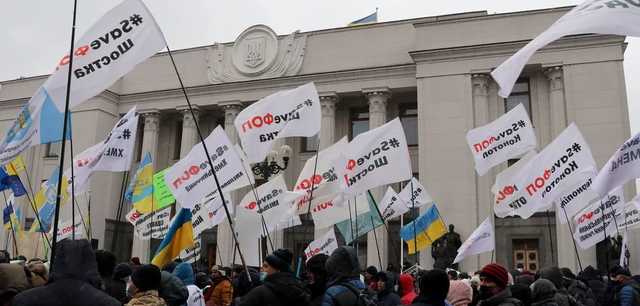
(593, 279)
(144, 285)
(344, 285)
(184, 272)
(386, 296)
(39, 273)
(563, 298)
(493, 287)
(280, 286)
(434, 287)
(121, 274)
(407, 289)
(106, 264)
(13, 280)
(543, 293)
(317, 275)
(74, 280)
(172, 290)
(627, 291)
(222, 292)
(203, 281)
(460, 293)
(371, 277)
(577, 289)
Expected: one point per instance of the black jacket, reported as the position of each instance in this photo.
(425, 301)
(172, 290)
(281, 288)
(503, 298)
(74, 280)
(388, 297)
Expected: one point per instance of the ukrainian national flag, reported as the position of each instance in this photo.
(428, 228)
(179, 237)
(45, 201)
(373, 18)
(9, 177)
(140, 191)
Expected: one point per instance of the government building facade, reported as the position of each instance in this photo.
(431, 72)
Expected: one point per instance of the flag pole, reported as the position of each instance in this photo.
(550, 235)
(206, 151)
(256, 196)
(64, 134)
(315, 168)
(125, 177)
(351, 222)
(401, 244)
(375, 237)
(384, 223)
(575, 247)
(355, 212)
(30, 199)
(606, 237)
(90, 230)
(13, 230)
(415, 235)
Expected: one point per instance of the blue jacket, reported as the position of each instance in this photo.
(627, 294)
(336, 289)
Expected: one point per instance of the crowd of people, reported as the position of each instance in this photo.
(82, 276)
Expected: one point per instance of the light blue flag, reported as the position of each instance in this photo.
(366, 222)
(373, 18)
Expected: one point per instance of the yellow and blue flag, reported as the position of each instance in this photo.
(179, 237)
(11, 216)
(10, 178)
(428, 228)
(140, 191)
(45, 201)
(373, 18)
(366, 222)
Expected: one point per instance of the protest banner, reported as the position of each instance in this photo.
(249, 230)
(420, 196)
(192, 254)
(324, 245)
(622, 167)
(330, 211)
(509, 136)
(483, 239)
(218, 215)
(202, 218)
(595, 223)
(564, 163)
(375, 158)
(162, 195)
(191, 179)
(152, 225)
(628, 216)
(575, 199)
(591, 16)
(113, 46)
(391, 205)
(288, 113)
(65, 230)
(508, 199)
(325, 179)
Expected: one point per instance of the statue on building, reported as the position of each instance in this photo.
(445, 249)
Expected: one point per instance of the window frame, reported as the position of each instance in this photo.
(49, 146)
(354, 118)
(402, 108)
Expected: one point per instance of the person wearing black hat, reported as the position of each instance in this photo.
(144, 285)
(317, 278)
(280, 286)
(434, 287)
(386, 295)
(627, 291)
(370, 277)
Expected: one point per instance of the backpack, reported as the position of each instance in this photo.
(363, 296)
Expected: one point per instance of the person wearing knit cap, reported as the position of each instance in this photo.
(143, 287)
(460, 293)
(494, 290)
(280, 286)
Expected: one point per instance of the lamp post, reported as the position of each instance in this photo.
(271, 165)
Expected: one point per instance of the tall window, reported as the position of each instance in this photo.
(53, 149)
(359, 121)
(520, 94)
(177, 142)
(310, 144)
(409, 119)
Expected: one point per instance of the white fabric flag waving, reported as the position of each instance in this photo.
(483, 239)
(191, 180)
(507, 137)
(375, 158)
(113, 46)
(622, 167)
(325, 245)
(113, 154)
(592, 16)
(391, 205)
(509, 200)
(332, 211)
(414, 193)
(288, 113)
(593, 224)
(564, 163)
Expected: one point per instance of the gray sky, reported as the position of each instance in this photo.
(35, 33)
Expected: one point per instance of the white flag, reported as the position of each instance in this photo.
(564, 163)
(420, 195)
(483, 239)
(622, 167)
(192, 254)
(391, 205)
(202, 218)
(114, 154)
(575, 199)
(375, 158)
(325, 245)
(288, 113)
(331, 211)
(152, 225)
(325, 181)
(628, 217)
(507, 137)
(249, 231)
(592, 16)
(219, 215)
(65, 230)
(191, 180)
(625, 253)
(113, 46)
(594, 224)
(509, 200)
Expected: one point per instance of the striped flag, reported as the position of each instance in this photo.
(179, 237)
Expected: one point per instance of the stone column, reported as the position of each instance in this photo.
(141, 248)
(328, 102)
(189, 131)
(224, 235)
(377, 99)
(484, 197)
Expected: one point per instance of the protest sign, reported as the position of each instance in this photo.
(391, 205)
(628, 217)
(288, 113)
(324, 245)
(507, 137)
(191, 179)
(420, 196)
(508, 199)
(622, 167)
(575, 199)
(330, 211)
(65, 230)
(595, 223)
(591, 16)
(192, 254)
(162, 195)
(274, 202)
(483, 239)
(156, 223)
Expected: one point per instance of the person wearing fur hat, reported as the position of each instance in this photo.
(279, 285)
(144, 285)
(494, 290)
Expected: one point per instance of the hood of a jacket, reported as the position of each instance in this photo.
(12, 278)
(542, 289)
(287, 288)
(554, 275)
(122, 270)
(388, 284)
(406, 283)
(343, 263)
(589, 273)
(75, 260)
(185, 273)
